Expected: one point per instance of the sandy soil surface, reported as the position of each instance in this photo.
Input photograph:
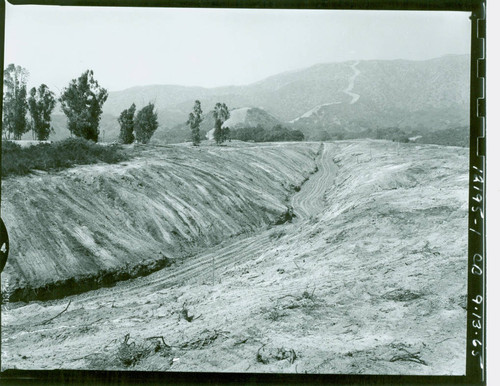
(89, 226)
(370, 277)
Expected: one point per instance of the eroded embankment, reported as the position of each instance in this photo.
(370, 278)
(90, 226)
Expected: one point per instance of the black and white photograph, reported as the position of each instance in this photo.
(232, 190)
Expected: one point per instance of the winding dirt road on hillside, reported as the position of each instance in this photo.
(350, 86)
(358, 282)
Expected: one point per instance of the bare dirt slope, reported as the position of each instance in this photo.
(89, 226)
(372, 281)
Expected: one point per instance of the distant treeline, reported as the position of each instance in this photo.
(258, 134)
(457, 136)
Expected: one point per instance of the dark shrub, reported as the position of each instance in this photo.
(55, 156)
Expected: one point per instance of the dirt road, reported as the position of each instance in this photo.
(363, 280)
(310, 200)
(350, 86)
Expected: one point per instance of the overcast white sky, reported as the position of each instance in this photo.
(214, 47)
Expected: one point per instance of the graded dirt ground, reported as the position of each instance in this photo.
(89, 226)
(369, 277)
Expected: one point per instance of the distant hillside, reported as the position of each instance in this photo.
(322, 100)
(427, 95)
(251, 117)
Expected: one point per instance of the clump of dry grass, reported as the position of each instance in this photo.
(277, 234)
(129, 354)
(267, 355)
(56, 156)
(207, 338)
(406, 356)
(275, 313)
(402, 295)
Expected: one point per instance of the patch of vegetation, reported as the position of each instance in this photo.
(56, 156)
(287, 216)
(277, 234)
(185, 314)
(458, 136)
(129, 354)
(394, 134)
(275, 313)
(308, 295)
(306, 302)
(206, 338)
(267, 355)
(82, 101)
(258, 134)
(401, 295)
(405, 355)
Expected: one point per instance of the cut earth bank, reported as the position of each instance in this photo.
(370, 277)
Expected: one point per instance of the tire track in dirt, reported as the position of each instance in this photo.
(315, 285)
(161, 205)
(309, 201)
(242, 261)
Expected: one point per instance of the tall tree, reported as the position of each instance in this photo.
(82, 103)
(15, 105)
(145, 123)
(126, 121)
(220, 114)
(41, 103)
(194, 120)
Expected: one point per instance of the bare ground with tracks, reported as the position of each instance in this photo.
(369, 277)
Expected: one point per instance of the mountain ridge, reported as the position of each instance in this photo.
(350, 96)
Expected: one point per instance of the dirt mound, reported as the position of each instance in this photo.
(91, 226)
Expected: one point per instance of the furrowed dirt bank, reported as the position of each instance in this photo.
(91, 226)
(369, 278)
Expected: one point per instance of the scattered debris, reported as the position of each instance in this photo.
(409, 357)
(129, 354)
(60, 313)
(266, 355)
(163, 348)
(206, 340)
(277, 234)
(308, 295)
(241, 341)
(287, 216)
(401, 295)
(297, 265)
(275, 313)
(186, 316)
(159, 337)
